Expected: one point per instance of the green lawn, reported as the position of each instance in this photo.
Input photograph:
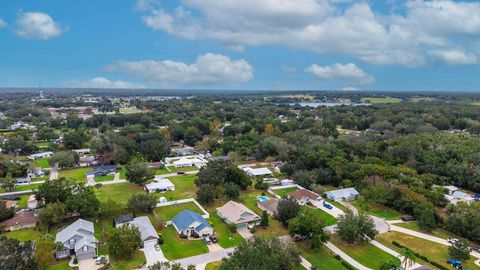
(134, 263)
(225, 238)
(79, 175)
(42, 178)
(380, 100)
(44, 162)
(322, 257)
(26, 234)
(434, 251)
(161, 171)
(365, 253)
(213, 265)
(378, 210)
(118, 192)
(413, 225)
(123, 173)
(27, 187)
(329, 219)
(59, 266)
(284, 191)
(176, 248)
(23, 202)
(184, 187)
(168, 212)
(337, 204)
(182, 169)
(104, 178)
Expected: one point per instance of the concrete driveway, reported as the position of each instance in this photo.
(153, 256)
(88, 264)
(245, 233)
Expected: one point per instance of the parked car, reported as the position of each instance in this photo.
(100, 260)
(207, 240)
(297, 238)
(157, 247)
(452, 240)
(213, 238)
(327, 205)
(407, 218)
(180, 173)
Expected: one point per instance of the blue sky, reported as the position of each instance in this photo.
(244, 44)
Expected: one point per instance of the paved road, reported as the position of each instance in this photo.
(205, 258)
(344, 256)
(54, 172)
(19, 193)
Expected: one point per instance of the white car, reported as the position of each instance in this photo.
(452, 240)
(100, 260)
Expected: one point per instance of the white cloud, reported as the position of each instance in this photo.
(348, 73)
(454, 57)
(403, 37)
(209, 69)
(2, 23)
(103, 83)
(38, 25)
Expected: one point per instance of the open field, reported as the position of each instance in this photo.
(322, 257)
(118, 192)
(184, 187)
(134, 263)
(170, 211)
(79, 174)
(284, 191)
(44, 162)
(378, 210)
(176, 248)
(380, 100)
(328, 219)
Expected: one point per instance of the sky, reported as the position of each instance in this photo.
(392, 45)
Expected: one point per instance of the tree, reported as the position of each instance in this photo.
(110, 209)
(124, 242)
(269, 129)
(83, 201)
(264, 219)
(263, 254)
(426, 216)
(459, 250)
(310, 225)
(356, 228)
(16, 255)
(8, 183)
(54, 191)
(287, 209)
(65, 159)
(231, 191)
(6, 213)
(205, 194)
(138, 172)
(53, 213)
(390, 265)
(142, 202)
(408, 259)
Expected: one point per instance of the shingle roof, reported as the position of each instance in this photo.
(303, 193)
(145, 227)
(80, 227)
(258, 171)
(236, 212)
(343, 193)
(161, 183)
(122, 219)
(186, 218)
(270, 204)
(21, 218)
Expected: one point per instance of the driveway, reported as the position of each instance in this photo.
(214, 247)
(153, 256)
(205, 258)
(245, 233)
(88, 264)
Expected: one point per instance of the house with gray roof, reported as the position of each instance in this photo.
(346, 194)
(459, 196)
(77, 239)
(148, 234)
(190, 223)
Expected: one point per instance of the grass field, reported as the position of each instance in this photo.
(134, 263)
(431, 250)
(213, 265)
(161, 171)
(184, 187)
(365, 253)
(25, 234)
(182, 169)
(225, 238)
(23, 202)
(284, 191)
(322, 257)
(44, 162)
(413, 225)
(337, 204)
(329, 219)
(168, 212)
(380, 100)
(118, 192)
(27, 187)
(129, 110)
(176, 248)
(378, 210)
(79, 175)
(104, 178)
(59, 266)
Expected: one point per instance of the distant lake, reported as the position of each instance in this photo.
(327, 104)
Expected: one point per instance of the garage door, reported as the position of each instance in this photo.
(150, 243)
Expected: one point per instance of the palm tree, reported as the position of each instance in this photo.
(408, 259)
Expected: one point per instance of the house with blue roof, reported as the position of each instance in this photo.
(190, 224)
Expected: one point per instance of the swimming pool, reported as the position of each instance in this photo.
(262, 198)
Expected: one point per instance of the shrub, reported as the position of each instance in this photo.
(252, 230)
(232, 227)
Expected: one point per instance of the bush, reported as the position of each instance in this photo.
(160, 239)
(252, 230)
(337, 257)
(348, 266)
(183, 236)
(232, 227)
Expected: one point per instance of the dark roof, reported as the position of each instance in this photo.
(21, 218)
(102, 169)
(123, 218)
(302, 193)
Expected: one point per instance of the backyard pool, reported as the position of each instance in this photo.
(262, 198)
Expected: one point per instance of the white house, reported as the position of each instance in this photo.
(450, 189)
(459, 196)
(41, 155)
(186, 161)
(160, 185)
(257, 171)
(342, 194)
(77, 239)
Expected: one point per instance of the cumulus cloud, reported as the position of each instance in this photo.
(103, 83)
(402, 37)
(348, 73)
(37, 25)
(208, 69)
(2, 23)
(454, 57)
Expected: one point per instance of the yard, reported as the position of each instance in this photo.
(225, 238)
(433, 251)
(329, 219)
(184, 187)
(168, 212)
(161, 171)
(134, 263)
(413, 225)
(26, 234)
(213, 265)
(79, 175)
(118, 192)
(176, 248)
(173, 169)
(378, 210)
(23, 202)
(59, 266)
(104, 178)
(27, 187)
(284, 191)
(365, 253)
(44, 162)
(322, 258)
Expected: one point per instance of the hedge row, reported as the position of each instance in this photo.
(344, 263)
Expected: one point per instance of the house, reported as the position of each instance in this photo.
(23, 181)
(82, 152)
(102, 170)
(257, 172)
(185, 151)
(77, 239)
(449, 190)
(148, 234)
(21, 220)
(459, 196)
(122, 219)
(36, 172)
(287, 182)
(22, 125)
(186, 161)
(342, 194)
(160, 185)
(190, 223)
(41, 155)
(220, 158)
(87, 161)
(270, 206)
(304, 196)
(239, 214)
